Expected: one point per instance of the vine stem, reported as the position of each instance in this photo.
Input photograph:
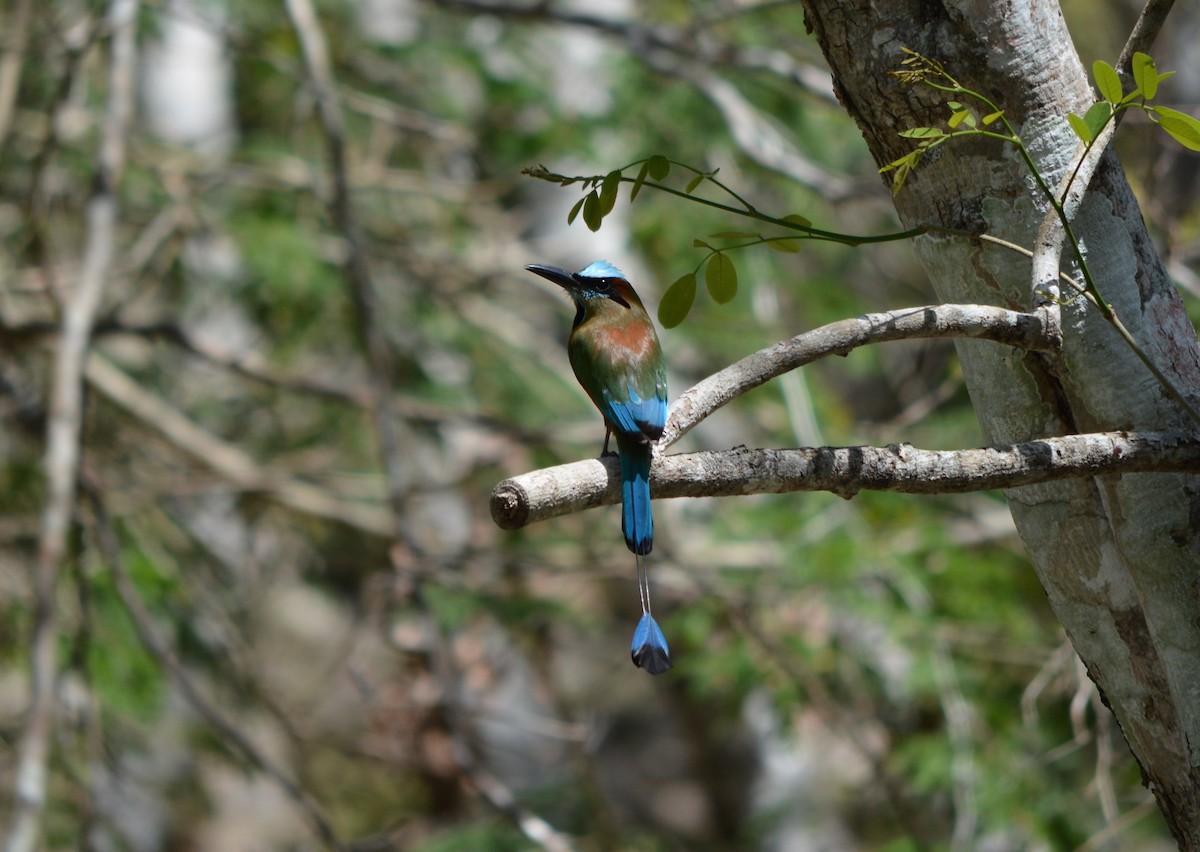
(1089, 289)
(1109, 315)
(957, 88)
(813, 233)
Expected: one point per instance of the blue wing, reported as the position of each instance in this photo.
(637, 415)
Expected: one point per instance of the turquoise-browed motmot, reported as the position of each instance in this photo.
(614, 351)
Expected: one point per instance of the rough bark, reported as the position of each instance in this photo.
(1117, 555)
(845, 471)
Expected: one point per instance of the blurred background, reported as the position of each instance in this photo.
(256, 654)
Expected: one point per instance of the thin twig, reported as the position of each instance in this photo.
(485, 782)
(12, 63)
(165, 656)
(249, 364)
(849, 723)
(1050, 670)
(1104, 837)
(641, 38)
(380, 364)
(357, 268)
(1145, 31)
(758, 137)
(229, 460)
(64, 429)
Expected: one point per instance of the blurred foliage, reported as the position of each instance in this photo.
(861, 674)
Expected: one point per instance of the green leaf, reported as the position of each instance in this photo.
(734, 235)
(639, 180)
(721, 278)
(903, 167)
(1080, 127)
(1182, 127)
(608, 192)
(797, 220)
(693, 183)
(961, 117)
(1145, 75)
(699, 243)
(787, 245)
(1097, 116)
(923, 133)
(677, 301)
(591, 211)
(659, 166)
(992, 117)
(1107, 81)
(575, 210)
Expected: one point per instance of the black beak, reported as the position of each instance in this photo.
(556, 274)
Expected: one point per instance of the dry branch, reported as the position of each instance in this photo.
(229, 460)
(12, 62)
(164, 654)
(64, 429)
(380, 363)
(561, 490)
(357, 268)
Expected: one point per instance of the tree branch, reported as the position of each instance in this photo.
(641, 38)
(1071, 191)
(357, 268)
(64, 426)
(380, 362)
(1069, 195)
(756, 135)
(229, 460)
(1145, 31)
(561, 490)
(984, 322)
(159, 648)
(11, 64)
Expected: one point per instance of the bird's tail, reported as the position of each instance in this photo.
(649, 650)
(636, 520)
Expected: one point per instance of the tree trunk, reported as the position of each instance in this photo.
(1119, 556)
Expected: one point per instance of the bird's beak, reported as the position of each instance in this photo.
(559, 276)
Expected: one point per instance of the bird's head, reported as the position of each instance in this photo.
(596, 284)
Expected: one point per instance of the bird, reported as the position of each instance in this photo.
(615, 354)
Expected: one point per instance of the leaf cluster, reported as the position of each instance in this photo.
(1180, 126)
(720, 273)
(964, 120)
